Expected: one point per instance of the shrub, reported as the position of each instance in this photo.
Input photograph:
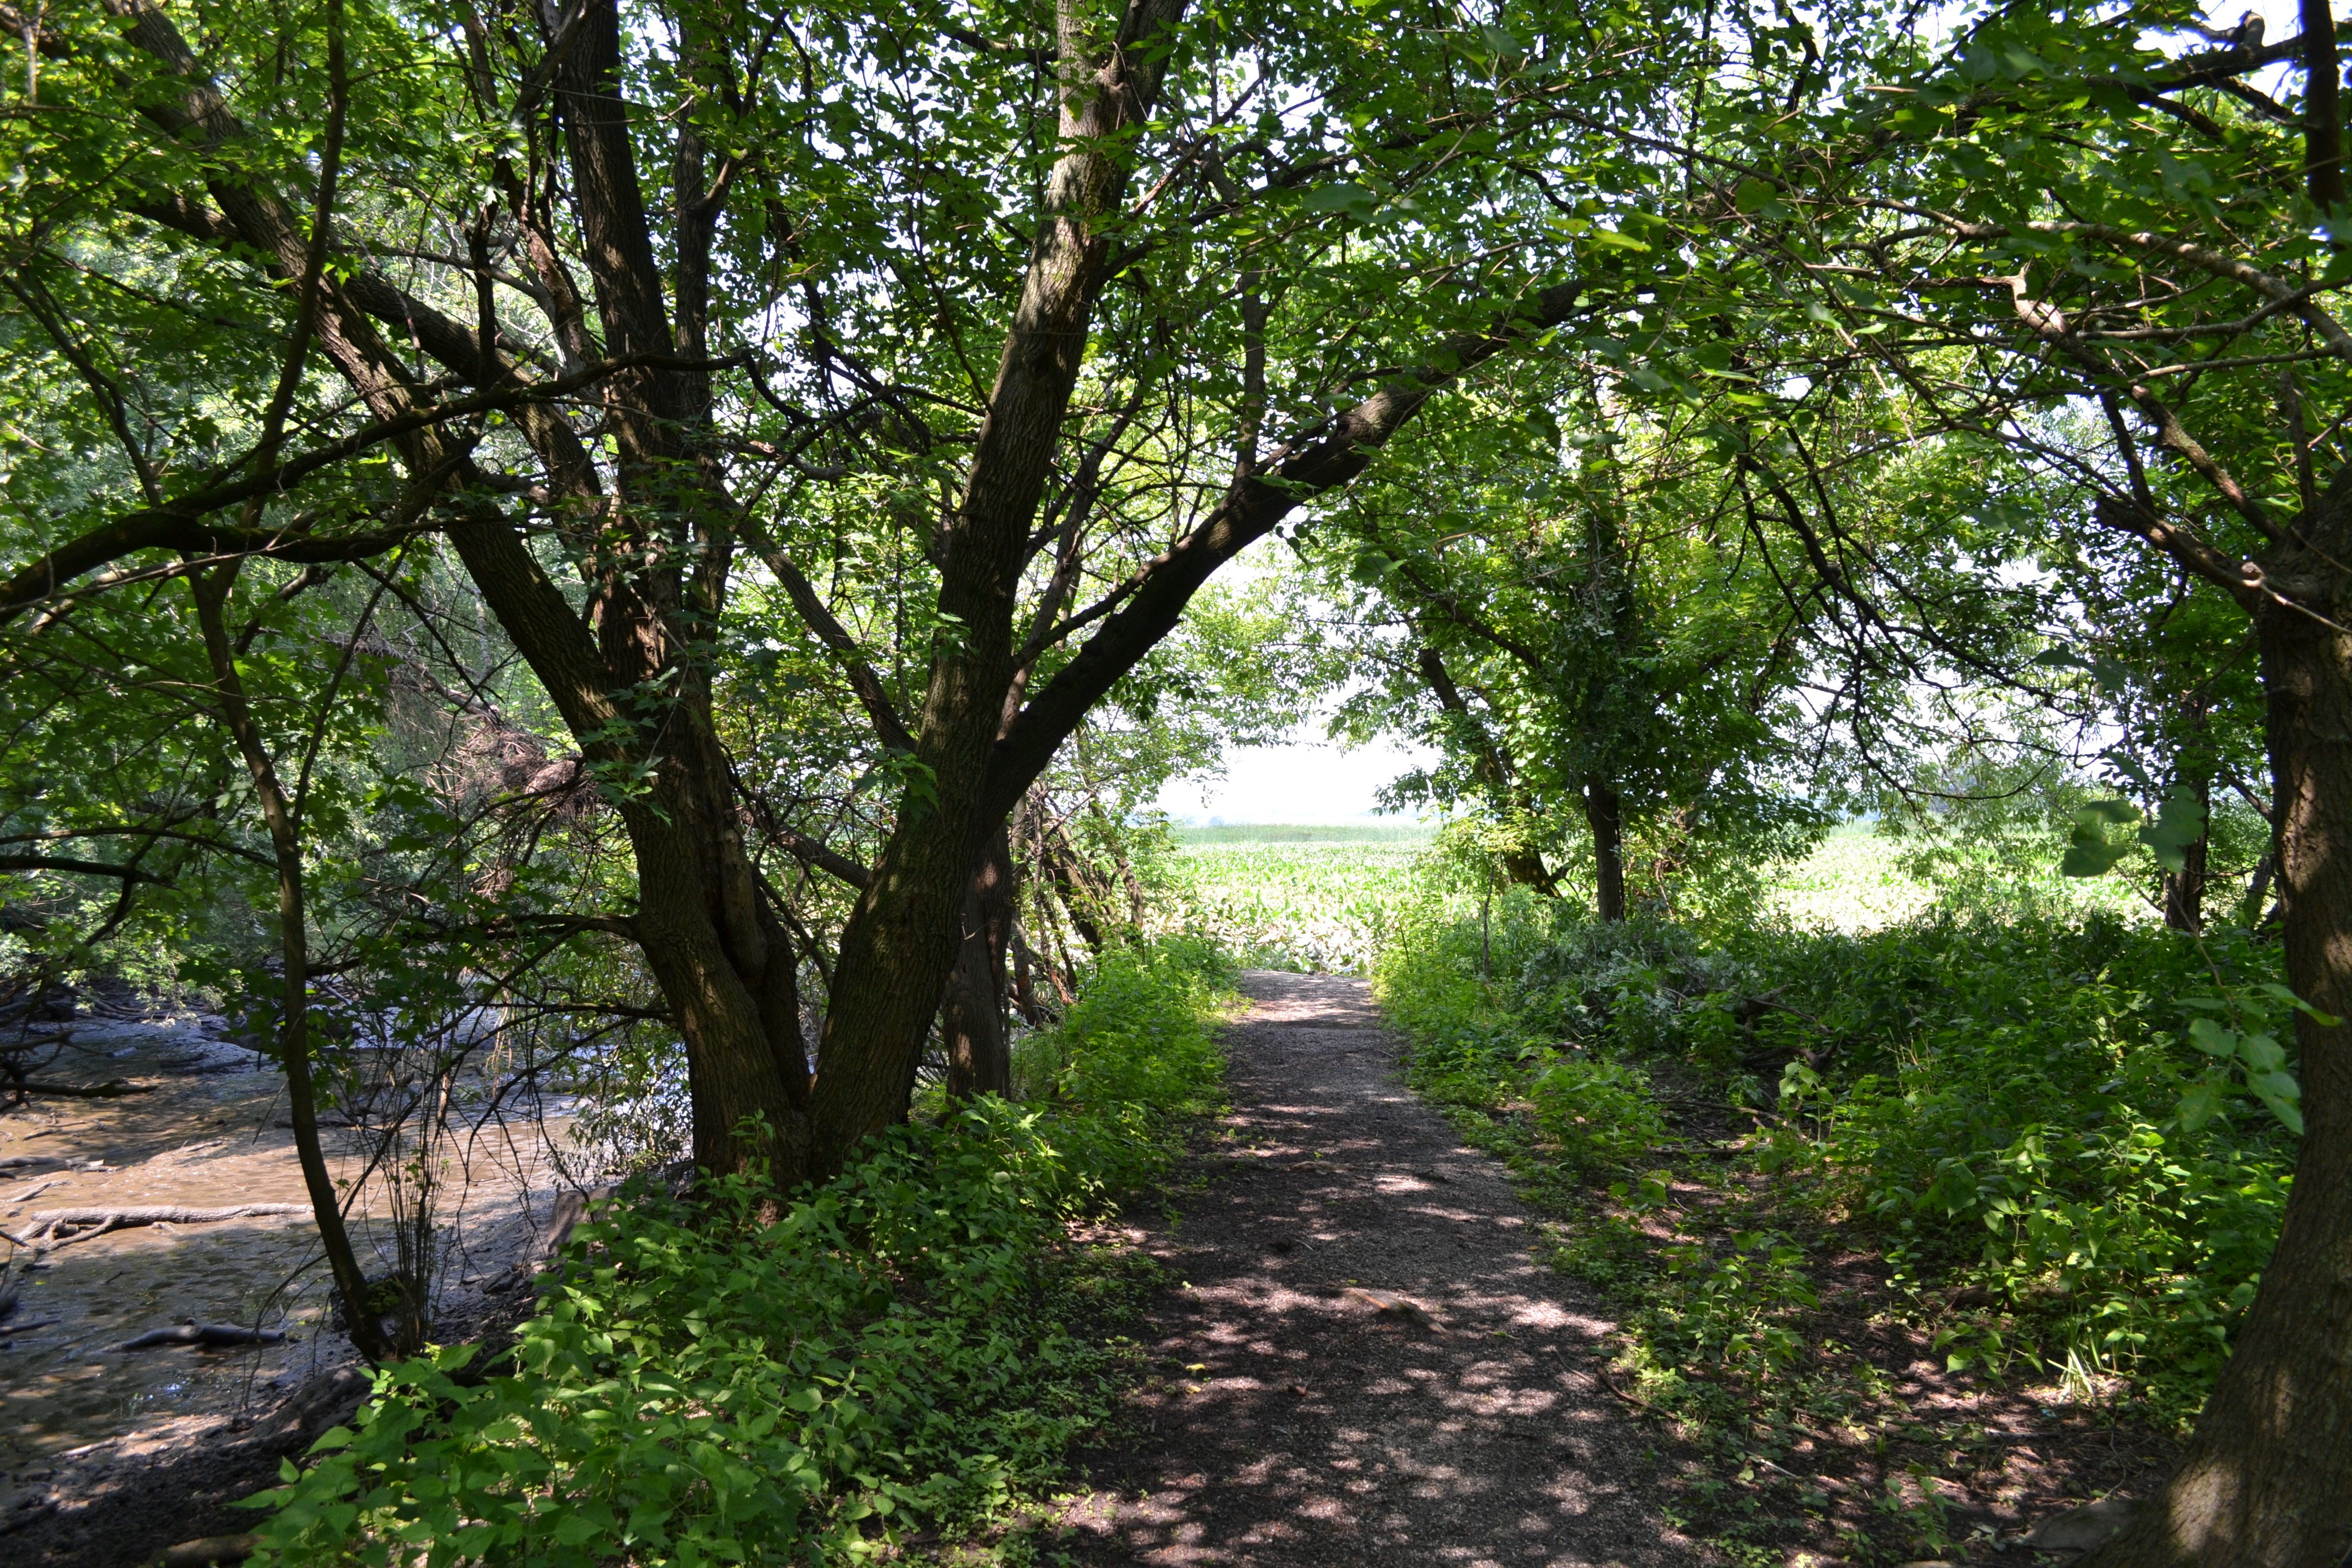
(1600, 1115)
(726, 1383)
(2027, 1113)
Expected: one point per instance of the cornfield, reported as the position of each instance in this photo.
(1318, 906)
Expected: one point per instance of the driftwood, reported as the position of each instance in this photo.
(211, 1552)
(194, 1334)
(55, 1227)
(112, 1089)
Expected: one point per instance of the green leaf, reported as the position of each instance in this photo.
(1613, 239)
(2179, 823)
(2201, 1104)
(2261, 1055)
(2214, 1039)
(1752, 194)
(1353, 199)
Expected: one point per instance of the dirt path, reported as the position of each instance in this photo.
(1363, 1365)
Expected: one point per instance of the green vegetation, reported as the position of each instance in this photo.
(696, 530)
(2032, 1125)
(911, 1346)
(1289, 898)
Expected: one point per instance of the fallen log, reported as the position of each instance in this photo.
(112, 1089)
(55, 1227)
(211, 1552)
(194, 1334)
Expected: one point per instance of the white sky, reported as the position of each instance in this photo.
(1308, 781)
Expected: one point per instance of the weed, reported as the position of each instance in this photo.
(894, 1350)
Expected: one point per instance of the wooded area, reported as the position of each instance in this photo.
(691, 534)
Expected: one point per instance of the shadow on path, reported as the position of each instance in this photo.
(1362, 1364)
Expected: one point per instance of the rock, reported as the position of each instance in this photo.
(1394, 1307)
(2081, 1529)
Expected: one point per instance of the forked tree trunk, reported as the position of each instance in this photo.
(1602, 812)
(2267, 1478)
(973, 1022)
(900, 942)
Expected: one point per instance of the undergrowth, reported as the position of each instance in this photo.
(2032, 1131)
(905, 1348)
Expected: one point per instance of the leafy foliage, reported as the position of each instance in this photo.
(2035, 1114)
(900, 1348)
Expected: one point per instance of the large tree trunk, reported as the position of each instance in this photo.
(2267, 1478)
(1602, 812)
(979, 1054)
(2184, 891)
(901, 940)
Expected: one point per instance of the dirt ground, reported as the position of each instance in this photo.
(1362, 1362)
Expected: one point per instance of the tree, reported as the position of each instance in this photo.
(1557, 602)
(639, 311)
(2116, 265)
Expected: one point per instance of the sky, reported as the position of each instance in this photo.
(1308, 781)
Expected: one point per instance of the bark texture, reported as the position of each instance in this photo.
(973, 1027)
(1603, 813)
(2267, 1478)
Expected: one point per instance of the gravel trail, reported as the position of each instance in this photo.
(1362, 1364)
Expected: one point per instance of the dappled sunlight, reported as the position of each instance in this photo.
(1364, 1356)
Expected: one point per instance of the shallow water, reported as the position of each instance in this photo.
(207, 1135)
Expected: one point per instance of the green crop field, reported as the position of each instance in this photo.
(1293, 897)
(1322, 897)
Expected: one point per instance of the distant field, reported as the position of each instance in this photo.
(1311, 897)
(1293, 897)
(1854, 882)
(1307, 833)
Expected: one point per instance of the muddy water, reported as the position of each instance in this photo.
(208, 1134)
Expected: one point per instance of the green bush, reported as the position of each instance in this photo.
(1600, 1115)
(1135, 1059)
(2077, 1124)
(726, 1384)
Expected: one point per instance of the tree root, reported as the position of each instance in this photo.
(55, 1227)
(211, 1552)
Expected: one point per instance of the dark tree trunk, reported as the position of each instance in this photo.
(1491, 766)
(2184, 891)
(972, 1024)
(901, 940)
(2267, 1478)
(1601, 810)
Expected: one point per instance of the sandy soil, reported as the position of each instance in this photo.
(1361, 1363)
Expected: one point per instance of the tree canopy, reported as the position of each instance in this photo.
(706, 520)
